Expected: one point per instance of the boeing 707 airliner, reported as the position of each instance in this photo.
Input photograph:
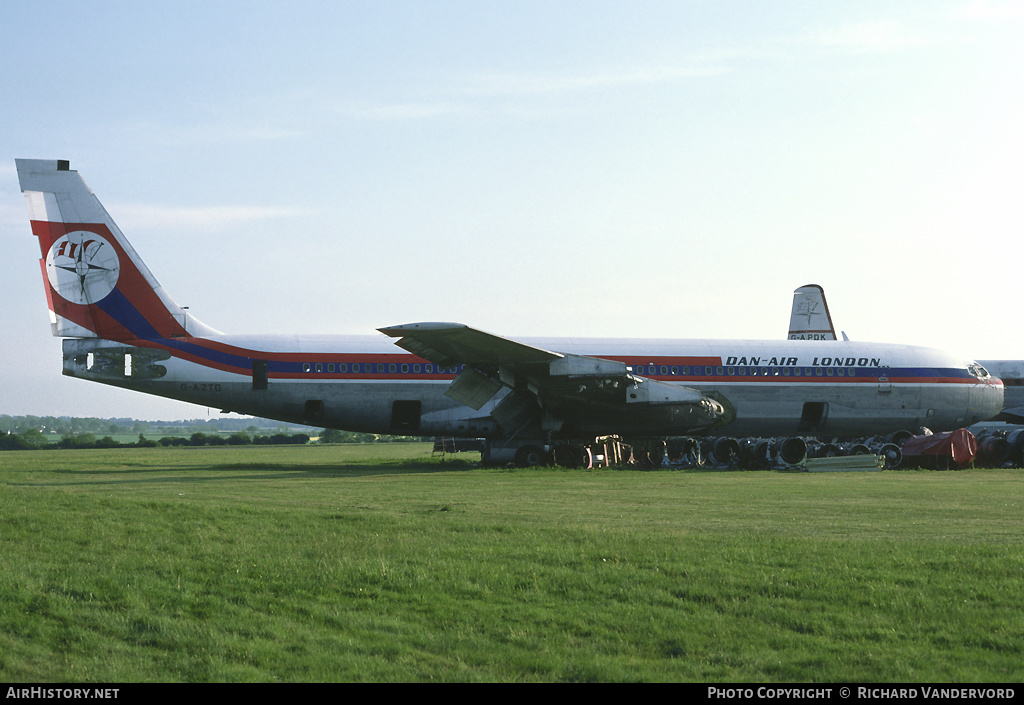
(524, 397)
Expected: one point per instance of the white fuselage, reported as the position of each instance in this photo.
(366, 383)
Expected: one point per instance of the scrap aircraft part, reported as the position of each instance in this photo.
(1015, 439)
(892, 454)
(572, 456)
(755, 453)
(789, 451)
(939, 450)
(721, 451)
(1000, 445)
(818, 449)
(684, 451)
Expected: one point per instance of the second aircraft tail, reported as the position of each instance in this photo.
(810, 318)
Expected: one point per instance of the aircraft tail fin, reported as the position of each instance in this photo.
(810, 318)
(96, 284)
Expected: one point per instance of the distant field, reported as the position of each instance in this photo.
(380, 563)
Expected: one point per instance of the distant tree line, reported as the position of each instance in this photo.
(33, 432)
(33, 440)
(67, 425)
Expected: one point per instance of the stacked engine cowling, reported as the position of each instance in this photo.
(768, 453)
(1000, 446)
(726, 451)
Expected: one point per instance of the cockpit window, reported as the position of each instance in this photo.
(977, 370)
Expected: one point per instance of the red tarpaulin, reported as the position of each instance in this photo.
(960, 446)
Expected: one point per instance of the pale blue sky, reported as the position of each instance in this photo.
(642, 169)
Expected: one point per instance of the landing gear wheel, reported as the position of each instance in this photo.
(569, 456)
(529, 456)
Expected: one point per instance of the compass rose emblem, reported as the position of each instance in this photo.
(82, 267)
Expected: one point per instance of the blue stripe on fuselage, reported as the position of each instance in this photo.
(117, 306)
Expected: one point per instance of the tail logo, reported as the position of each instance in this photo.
(82, 267)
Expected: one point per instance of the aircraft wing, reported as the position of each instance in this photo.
(451, 344)
(586, 392)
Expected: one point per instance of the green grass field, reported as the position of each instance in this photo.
(380, 563)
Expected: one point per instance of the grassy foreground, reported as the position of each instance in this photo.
(378, 563)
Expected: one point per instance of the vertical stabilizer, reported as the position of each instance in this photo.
(96, 284)
(810, 319)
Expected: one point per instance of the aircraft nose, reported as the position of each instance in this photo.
(993, 397)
